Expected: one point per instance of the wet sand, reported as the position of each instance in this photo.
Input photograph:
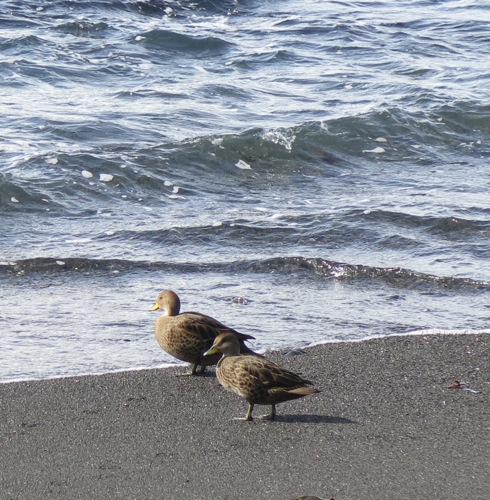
(385, 426)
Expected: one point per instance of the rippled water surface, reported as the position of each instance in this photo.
(303, 171)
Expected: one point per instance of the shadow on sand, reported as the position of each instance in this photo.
(314, 419)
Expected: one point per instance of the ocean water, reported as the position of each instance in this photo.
(304, 171)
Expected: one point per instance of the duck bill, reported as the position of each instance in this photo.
(155, 307)
(211, 351)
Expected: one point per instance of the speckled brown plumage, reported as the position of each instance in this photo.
(257, 380)
(186, 336)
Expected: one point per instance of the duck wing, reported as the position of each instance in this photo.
(271, 376)
(211, 324)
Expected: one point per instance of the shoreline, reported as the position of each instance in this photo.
(266, 352)
(385, 426)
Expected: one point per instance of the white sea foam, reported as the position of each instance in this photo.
(243, 165)
(378, 150)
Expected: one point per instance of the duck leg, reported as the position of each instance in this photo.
(272, 414)
(248, 417)
(193, 371)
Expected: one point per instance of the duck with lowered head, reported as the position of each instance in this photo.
(258, 380)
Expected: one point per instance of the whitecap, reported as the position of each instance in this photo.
(377, 150)
(79, 240)
(243, 165)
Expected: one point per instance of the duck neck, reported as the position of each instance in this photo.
(172, 310)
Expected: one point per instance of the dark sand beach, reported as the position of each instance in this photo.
(385, 426)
